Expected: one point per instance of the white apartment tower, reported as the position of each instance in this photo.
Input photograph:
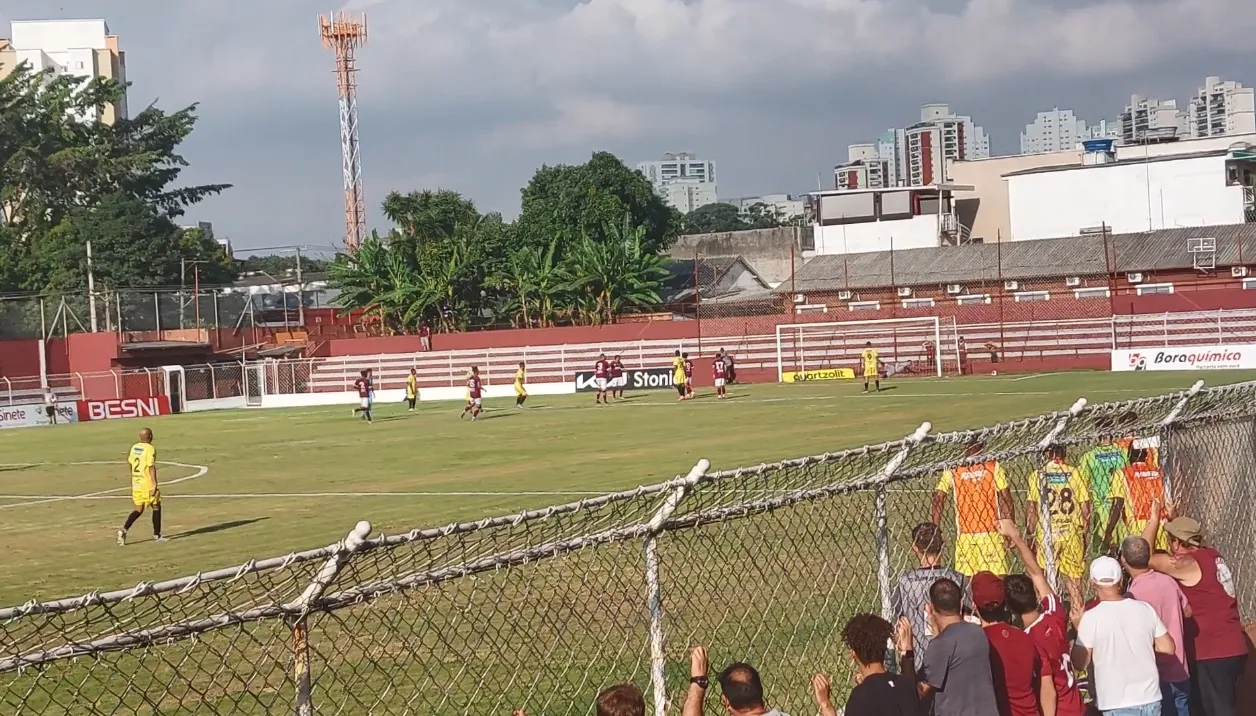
(1053, 131)
(683, 180)
(1220, 109)
(78, 48)
(864, 168)
(940, 137)
(1144, 117)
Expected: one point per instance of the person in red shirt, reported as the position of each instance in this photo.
(475, 394)
(363, 386)
(1022, 684)
(601, 378)
(425, 336)
(1046, 622)
(618, 381)
(719, 370)
(1214, 630)
(688, 375)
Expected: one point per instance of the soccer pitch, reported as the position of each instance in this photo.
(250, 484)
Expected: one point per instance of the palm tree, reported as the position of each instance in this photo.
(616, 274)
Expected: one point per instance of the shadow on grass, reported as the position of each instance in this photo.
(220, 527)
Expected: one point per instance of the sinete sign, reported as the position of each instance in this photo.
(31, 414)
(1186, 358)
(118, 408)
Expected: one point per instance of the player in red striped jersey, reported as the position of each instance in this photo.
(601, 375)
(618, 380)
(719, 370)
(688, 376)
(475, 394)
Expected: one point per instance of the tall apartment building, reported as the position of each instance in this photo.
(683, 180)
(890, 151)
(864, 168)
(1053, 131)
(940, 137)
(1105, 129)
(1220, 109)
(1143, 117)
(77, 48)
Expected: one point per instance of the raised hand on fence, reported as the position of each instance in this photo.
(822, 690)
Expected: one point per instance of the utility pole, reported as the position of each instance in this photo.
(300, 292)
(91, 287)
(344, 33)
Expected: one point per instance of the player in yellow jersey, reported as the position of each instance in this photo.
(982, 498)
(1069, 510)
(144, 493)
(678, 375)
(871, 366)
(521, 377)
(1134, 488)
(412, 389)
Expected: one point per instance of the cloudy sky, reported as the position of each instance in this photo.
(473, 95)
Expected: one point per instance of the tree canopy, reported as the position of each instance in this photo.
(66, 179)
(721, 217)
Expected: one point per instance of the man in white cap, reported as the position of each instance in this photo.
(1120, 637)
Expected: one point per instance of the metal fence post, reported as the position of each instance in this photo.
(300, 627)
(881, 509)
(1166, 455)
(654, 586)
(1044, 505)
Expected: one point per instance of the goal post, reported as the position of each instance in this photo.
(927, 346)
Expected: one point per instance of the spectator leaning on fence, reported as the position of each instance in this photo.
(877, 692)
(1217, 640)
(955, 670)
(1166, 598)
(742, 690)
(911, 595)
(1023, 685)
(1121, 638)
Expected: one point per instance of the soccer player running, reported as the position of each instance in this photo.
(688, 376)
(144, 491)
(618, 380)
(871, 366)
(521, 377)
(1031, 597)
(412, 390)
(601, 377)
(982, 498)
(363, 386)
(1134, 488)
(719, 370)
(1098, 466)
(1069, 513)
(678, 375)
(475, 395)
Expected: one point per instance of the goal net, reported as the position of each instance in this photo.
(905, 346)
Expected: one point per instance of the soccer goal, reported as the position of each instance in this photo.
(906, 346)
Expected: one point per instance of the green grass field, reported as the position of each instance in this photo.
(277, 481)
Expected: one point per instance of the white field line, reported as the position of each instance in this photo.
(31, 500)
(337, 495)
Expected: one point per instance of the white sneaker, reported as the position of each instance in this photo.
(161, 539)
(121, 538)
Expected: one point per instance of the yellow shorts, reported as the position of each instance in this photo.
(982, 552)
(146, 498)
(871, 373)
(1070, 556)
(519, 390)
(1162, 540)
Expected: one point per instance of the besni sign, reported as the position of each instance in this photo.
(647, 379)
(1237, 357)
(120, 408)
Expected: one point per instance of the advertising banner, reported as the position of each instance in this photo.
(647, 379)
(32, 414)
(119, 408)
(1236, 357)
(806, 376)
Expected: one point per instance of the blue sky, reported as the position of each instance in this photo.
(473, 96)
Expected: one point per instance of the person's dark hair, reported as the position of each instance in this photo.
(1020, 594)
(1057, 452)
(995, 615)
(621, 700)
(1138, 454)
(1136, 552)
(867, 635)
(741, 686)
(927, 538)
(945, 597)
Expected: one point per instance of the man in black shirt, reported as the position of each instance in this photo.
(877, 692)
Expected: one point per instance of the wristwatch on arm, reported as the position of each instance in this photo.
(699, 681)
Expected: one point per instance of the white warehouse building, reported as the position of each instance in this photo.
(856, 221)
(1133, 194)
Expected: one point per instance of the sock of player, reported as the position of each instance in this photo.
(156, 523)
(130, 520)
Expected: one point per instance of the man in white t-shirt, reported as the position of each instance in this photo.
(1118, 639)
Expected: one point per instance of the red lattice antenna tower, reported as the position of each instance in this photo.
(344, 34)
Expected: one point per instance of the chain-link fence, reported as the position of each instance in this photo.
(542, 608)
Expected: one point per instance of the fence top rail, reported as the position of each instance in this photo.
(859, 478)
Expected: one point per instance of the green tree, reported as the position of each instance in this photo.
(616, 274)
(278, 264)
(715, 218)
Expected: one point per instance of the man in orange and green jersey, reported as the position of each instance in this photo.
(1098, 466)
(982, 498)
(1134, 488)
(1069, 512)
(1128, 421)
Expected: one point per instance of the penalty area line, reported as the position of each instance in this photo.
(32, 500)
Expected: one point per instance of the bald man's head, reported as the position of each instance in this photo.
(146, 435)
